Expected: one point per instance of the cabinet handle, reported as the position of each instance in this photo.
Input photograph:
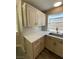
(54, 43)
(61, 42)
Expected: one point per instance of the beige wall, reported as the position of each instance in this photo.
(55, 10)
(19, 15)
(16, 24)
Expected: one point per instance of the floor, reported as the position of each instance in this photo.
(45, 54)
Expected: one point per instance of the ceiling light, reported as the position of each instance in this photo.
(57, 4)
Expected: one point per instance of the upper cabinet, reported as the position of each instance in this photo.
(43, 18)
(40, 18)
(32, 16)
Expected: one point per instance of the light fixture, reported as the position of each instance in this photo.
(57, 4)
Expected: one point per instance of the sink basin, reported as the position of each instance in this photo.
(56, 34)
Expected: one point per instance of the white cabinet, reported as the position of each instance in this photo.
(43, 18)
(40, 18)
(33, 49)
(32, 16)
(55, 45)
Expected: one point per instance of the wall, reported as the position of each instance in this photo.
(16, 23)
(19, 14)
(55, 10)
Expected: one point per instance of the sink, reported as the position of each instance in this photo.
(56, 34)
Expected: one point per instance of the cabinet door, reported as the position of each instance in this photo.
(28, 49)
(54, 46)
(34, 16)
(50, 44)
(36, 48)
(41, 44)
(43, 19)
(59, 48)
(38, 17)
(31, 15)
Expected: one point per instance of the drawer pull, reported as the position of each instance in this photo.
(54, 43)
(61, 42)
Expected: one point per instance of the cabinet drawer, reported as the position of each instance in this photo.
(36, 43)
(36, 48)
(59, 48)
(36, 51)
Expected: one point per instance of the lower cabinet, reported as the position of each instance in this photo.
(33, 49)
(38, 46)
(20, 51)
(55, 45)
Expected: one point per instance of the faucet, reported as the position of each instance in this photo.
(57, 30)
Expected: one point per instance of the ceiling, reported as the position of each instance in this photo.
(43, 5)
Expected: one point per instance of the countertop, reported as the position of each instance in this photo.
(33, 35)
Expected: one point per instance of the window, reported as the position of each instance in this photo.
(55, 21)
